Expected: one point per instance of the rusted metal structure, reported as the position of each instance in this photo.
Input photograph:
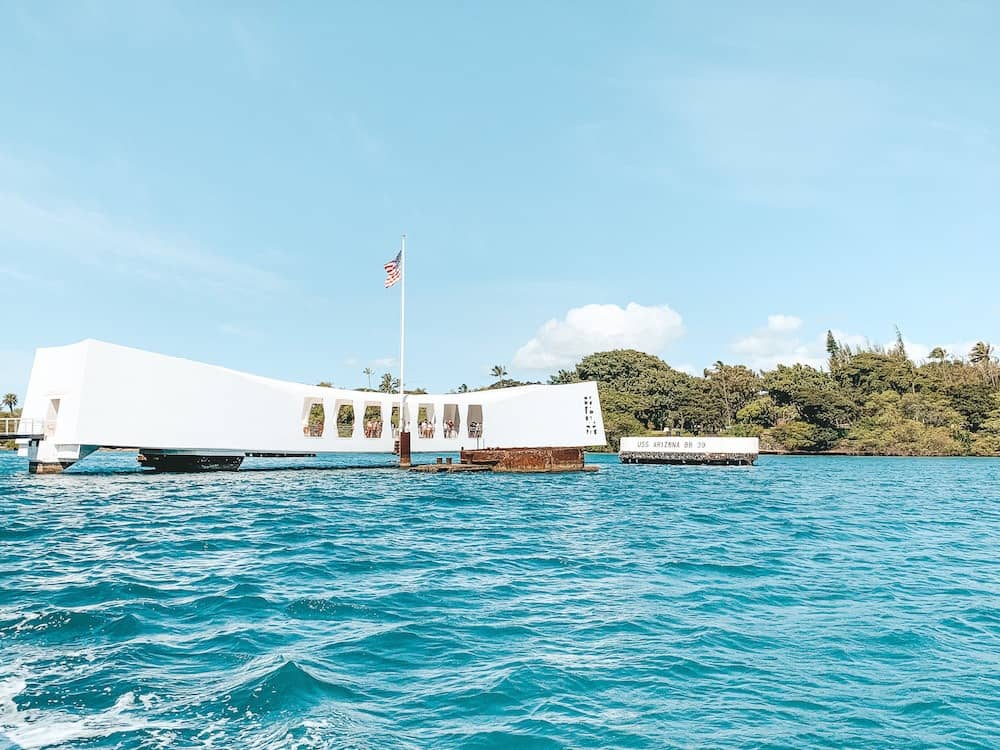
(525, 459)
(511, 460)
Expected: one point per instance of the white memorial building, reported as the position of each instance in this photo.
(181, 413)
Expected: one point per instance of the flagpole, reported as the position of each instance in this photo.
(402, 323)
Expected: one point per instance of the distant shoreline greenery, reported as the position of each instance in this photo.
(10, 403)
(868, 401)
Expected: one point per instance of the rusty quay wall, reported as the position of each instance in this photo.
(526, 459)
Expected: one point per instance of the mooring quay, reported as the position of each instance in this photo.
(710, 451)
(184, 415)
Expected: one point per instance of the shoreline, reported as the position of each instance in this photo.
(847, 454)
(763, 452)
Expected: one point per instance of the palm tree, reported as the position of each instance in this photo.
(980, 353)
(981, 356)
(939, 354)
(500, 372)
(369, 372)
(388, 384)
(10, 401)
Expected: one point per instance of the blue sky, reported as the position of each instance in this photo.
(703, 181)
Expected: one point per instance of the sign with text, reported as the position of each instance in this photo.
(654, 444)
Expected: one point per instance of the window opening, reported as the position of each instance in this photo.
(475, 421)
(345, 420)
(425, 421)
(452, 421)
(313, 417)
(373, 421)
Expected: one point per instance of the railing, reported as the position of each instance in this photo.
(21, 427)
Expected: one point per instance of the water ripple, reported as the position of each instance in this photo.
(801, 603)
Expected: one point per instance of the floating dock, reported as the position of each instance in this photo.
(705, 451)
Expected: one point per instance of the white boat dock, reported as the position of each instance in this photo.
(715, 451)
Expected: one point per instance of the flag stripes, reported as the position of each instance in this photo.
(393, 270)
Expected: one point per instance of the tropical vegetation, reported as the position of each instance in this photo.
(10, 402)
(867, 400)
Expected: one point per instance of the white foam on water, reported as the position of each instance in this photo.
(35, 728)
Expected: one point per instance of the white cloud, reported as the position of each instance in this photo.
(779, 342)
(853, 340)
(919, 352)
(592, 328)
(783, 322)
(915, 350)
(386, 362)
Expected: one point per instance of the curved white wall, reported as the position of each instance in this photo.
(113, 395)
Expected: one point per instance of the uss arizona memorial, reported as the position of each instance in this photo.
(185, 414)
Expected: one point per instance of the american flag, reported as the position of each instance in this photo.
(393, 270)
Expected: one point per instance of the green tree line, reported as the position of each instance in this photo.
(867, 401)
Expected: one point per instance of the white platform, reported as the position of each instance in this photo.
(693, 445)
(713, 451)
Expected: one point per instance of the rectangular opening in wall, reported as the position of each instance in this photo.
(313, 417)
(373, 421)
(51, 416)
(425, 421)
(394, 421)
(345, 420)
(452, 421)
(475, 421)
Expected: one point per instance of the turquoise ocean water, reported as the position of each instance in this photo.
(805, 602)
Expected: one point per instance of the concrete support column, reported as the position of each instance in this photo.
(359, 420)
(404, 450)
(45, 457)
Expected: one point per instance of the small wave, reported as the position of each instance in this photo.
(61, 624)
(66, 622)
(286, 687)
(499, 738)
(325, 609)
(748, 570)
(247, 605)
(108, 591)
(123, 626)
(37, 728)
(20, 532)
